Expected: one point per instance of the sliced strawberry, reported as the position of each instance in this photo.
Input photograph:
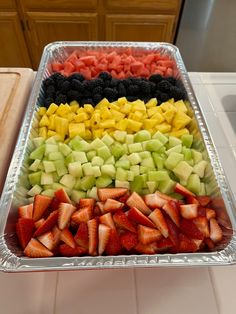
(93, 236)
(190, 229)
(26, 211)
(157, 217)
(62, 196)
(56, 232)
(103, 237)
(182, 190)
(122, 221)
(210, 244)
(136, 200)
(112, 205)
(24, 230)
(67, 251)
(81, 237)
(41, 203)
(123, 198)
(101, 207)
(202, 225)
(148, 235)
(186, 245)
(82, 215)
(210, 213)
(191, 200)
(128, 240)
(65, 212)
(145, 248)
(204, 200)
(67, 237)
(87, 202)
(154, 200)
(96, 211)
(172, 210)
(163, 245)
(173, 231)
(47, 240)
(39, 223)
(113, 246)
(199, 243)
(189, 211)
(55, 204)
(107, 220)
(48, 224)
(36, 249)
(201, 211)
(216, 233)
(105, 193)
(137, 216)
(166, 197)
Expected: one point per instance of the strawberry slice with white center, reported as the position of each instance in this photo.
(172, 210)
(65, 212)
(210, 213)
(67, 251)
(67, 237)
(103, 237)
(36, 249)
(112, 205)
(146, 248)
(39, 223)
(105, 193)
(164, 245)
(86, 202)
(166, 197)
(204, 200)
(26, 211)
(81, 237)
(113, 246)
(128, 240)
(157, 217)
(137, 216)
(56, 232)
(210, 244)
(182, 190)
(93, 236)
(192, 200)
(24, 230)
(216, 233)
(136, 200)
(173, 231)
(154, 201)
(101, 207)
(122, 221)
(107, 220)
(148, 235)
(82, 215)
(48, 224)
(186, 245)
(47, 240)
(189, 211)
(62, 196)
(202, 225)
(41, 204)
(190, 229)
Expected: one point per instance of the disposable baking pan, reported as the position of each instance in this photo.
(15, 188)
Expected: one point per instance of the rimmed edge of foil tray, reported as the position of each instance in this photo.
(10, 262)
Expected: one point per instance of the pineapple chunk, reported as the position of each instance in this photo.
(163, 127)
(122, 101)
(137, 116)
(169, 115)
(51, 125)
(103, 103)
(52, 109)
(61, 126)
(159, 117)
(51, 133)
(95, 119)
(43, 132)
(179, 133)
(134, 126)
(44, 121)
(76, 129)
(117, 115)
(88, 108)
(180, 120)
(114, 106)
(122, 125)
(126, 108)
(81, 117)
(110, 123)
(166, 105)
(42, 111)
(105, 113)
(74, 106)
(151, 103)
(153, 110)
(98, 133)
(138, 105)
(150, 123)
(180, 105)
(63, 109)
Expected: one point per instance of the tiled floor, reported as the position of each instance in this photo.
(142, 291)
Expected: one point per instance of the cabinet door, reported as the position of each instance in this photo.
(125, 27)
(45, 27)
(13, 52)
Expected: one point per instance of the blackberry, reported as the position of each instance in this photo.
(65, 87)
(164, 86)
(177, 93)
(171, 80)
(164, 97)
(110, 93)
(48, 82)
(87, 101)
(87, 94)
(105, 76)
(135, 80)
(57, 76)
(155, 78)
(98, 90)
(132, 98)
(152, 87)
(61, 99)
(97, 98)
(114, 82)
(132, 90)
(48, 101)
(50, 91)
(157, 95)
(121, 90)
(106, 83)
(74, 95)
(76, 76)
(145, 87)
(77, 85)
(126, 83)
(95, 83)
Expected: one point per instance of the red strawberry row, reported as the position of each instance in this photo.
(119, 223)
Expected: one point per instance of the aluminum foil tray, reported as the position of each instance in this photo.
(15, 188)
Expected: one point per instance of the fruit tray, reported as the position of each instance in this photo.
(16, 184)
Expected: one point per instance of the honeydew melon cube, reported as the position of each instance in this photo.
(125, 164)
(183, 170)
(158, 160)
(91, 154)
(60, 167)
(148, 162)
(96, 171)
(49, 166)
(75, 169)
(64, 149)
(145, 154)
(87, 183)
(55, 176)
(55, 156)
(120, 136)
(187, 153)
(129, 139)
(107, 140)
(134, 158)
(137, 184)
(194, 183)
(202, 189)
(187, 140)
(167, 186)
(97, 143)
(145, 178)
(97, 161)
(38, 141)
(135, 148)
(50, 140)
(142, 135)
(103, 181)
(49, 148)
(38, 153)
(135, 170)
(143, 169)
(153, 145)
(152, 186)
(173, 141)
(68, 181)
(87, 169)
(46, 178)
(124, 157)
(35, 165)
(121, 174)
(177, 149)
(93, 193)
(36, 189)
(30, 200)
(35, 178)
(77, 195)
(104, 152)
(160, 175)
(48, 192)
(161, 137)
(80, 156)
(117, 150)
(197, 156)
(122, 184)
(130, 176)
(109, 170)
(172, 160)
(41, 166)
(110, 161)
(126, 149)
(79, 145)
(199, 168)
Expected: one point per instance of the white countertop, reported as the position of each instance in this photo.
(208, 290)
